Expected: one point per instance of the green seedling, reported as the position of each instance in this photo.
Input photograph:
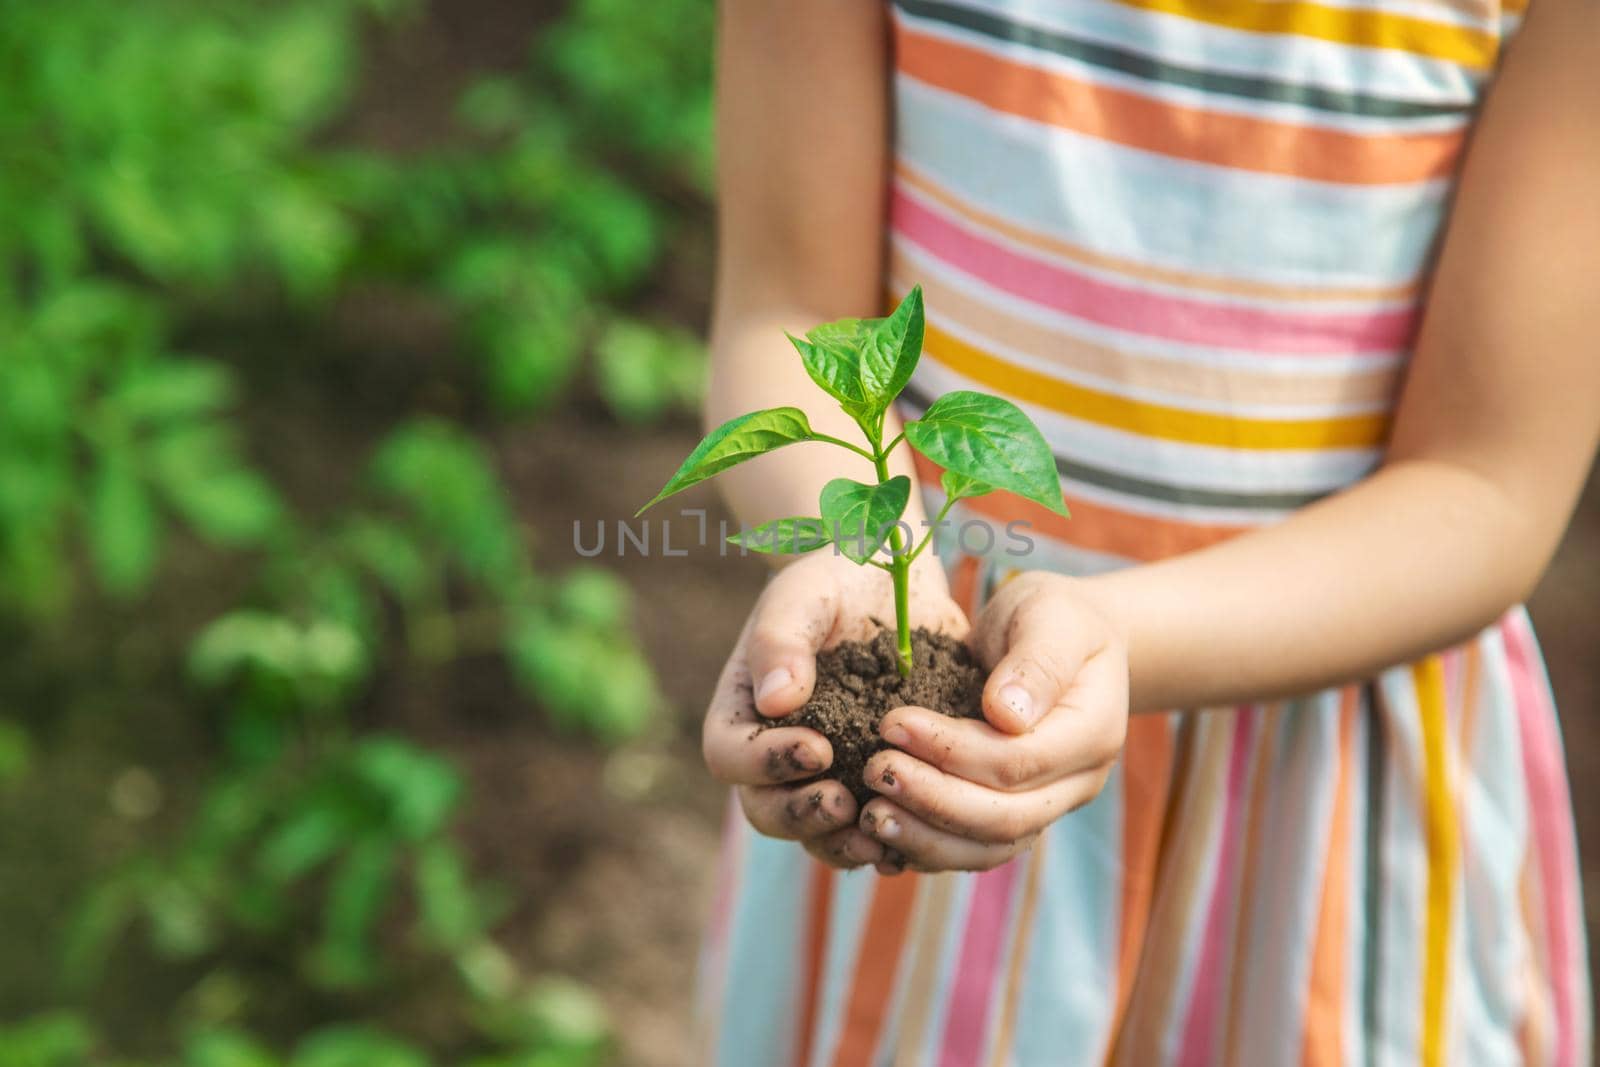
(982, 442)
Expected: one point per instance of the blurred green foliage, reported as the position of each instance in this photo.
(158, 162)
(370, 818)
(556, 1025)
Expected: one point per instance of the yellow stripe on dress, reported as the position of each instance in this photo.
(1146, 419)
(1444, 846)
(1363, 28)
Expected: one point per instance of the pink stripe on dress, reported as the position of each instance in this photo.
(1549, 815)
(1205, 998)
(1249, 329)
(972, 994)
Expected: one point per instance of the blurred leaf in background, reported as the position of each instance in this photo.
(574, 652)
(16, 752)
(55, 1039)
(646, 373)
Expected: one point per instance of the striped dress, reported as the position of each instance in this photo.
(1188, 238)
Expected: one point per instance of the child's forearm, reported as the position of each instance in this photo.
(802, 134)
(1491, 440)
(1416, 558)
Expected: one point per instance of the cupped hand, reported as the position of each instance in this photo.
(970, 794)
(812, 604)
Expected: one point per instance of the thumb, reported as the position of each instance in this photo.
(789, 625)
(1033, 676)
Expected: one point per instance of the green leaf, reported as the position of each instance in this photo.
(16, 753)
(860, 517)
(232, 506)
(735, 441)
(492, 105)
(358, 892)
(448, 479)
(586, 678)
(417, 789)
(787, 537)
(958, 486)
(168, 389)
(388, 551)
(593, 597)
(224, 1047)
(350, 1045)
(989, 440)
(57, 1039)
(570, 1014)
(644, 371)
(124, 536)
(301, 843)
(864, 363)
(307, 236)
(449, 908)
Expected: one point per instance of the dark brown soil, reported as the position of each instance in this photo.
(858, 684)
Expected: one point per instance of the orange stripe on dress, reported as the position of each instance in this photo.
(1165, 961)
(883, 943)
(1146, 778)
(1325, 997)
(964, 584)
(1217, 138)
(1094, 527)
(818, 913)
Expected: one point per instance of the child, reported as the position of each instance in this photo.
(1192, 238)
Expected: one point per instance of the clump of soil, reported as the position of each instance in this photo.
(858, 683)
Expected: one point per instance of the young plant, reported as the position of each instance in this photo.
(982, 442)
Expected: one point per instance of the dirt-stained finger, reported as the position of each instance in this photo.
(910, 843)
(798, 812)
(737, 747)
(845, 849)
(749, 755)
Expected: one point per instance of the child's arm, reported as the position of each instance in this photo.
(802, 148)
(1492, 439)
(1493, 436)
(802, 156)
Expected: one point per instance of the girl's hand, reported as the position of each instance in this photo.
(965, 794)
(811, 604)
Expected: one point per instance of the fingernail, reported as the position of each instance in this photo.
(1017, 699)
(886, 783)
(774, 681)
(896, 735)
(888, 827)
(802, 758)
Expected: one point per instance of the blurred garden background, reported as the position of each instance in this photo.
(320, 745)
